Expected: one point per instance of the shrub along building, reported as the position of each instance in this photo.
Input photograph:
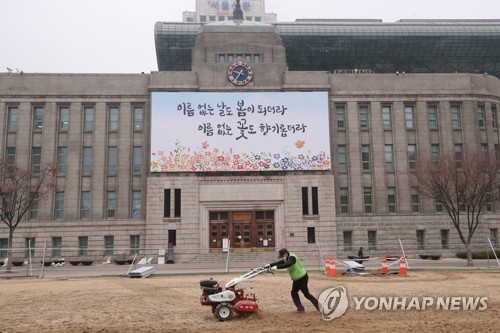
(268, 135)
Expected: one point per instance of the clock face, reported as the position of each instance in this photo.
(240, 73)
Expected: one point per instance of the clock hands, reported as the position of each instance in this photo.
(239, 73)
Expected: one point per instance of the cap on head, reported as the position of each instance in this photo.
(282, 252)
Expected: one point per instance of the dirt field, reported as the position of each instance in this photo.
(171, 304)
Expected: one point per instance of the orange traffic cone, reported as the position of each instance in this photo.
(333, 270)
(327, 265)
(402, 267)
(385, 268)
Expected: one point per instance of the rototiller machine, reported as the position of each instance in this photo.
(226, 302)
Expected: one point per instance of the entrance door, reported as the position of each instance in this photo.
(245, 229)
(242, 229)
(218, 229)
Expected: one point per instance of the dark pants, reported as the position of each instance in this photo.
(301, 284)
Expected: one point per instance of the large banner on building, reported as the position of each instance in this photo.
(239, 131)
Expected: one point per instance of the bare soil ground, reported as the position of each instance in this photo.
(171, 304)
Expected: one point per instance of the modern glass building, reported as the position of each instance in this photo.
(411, 46)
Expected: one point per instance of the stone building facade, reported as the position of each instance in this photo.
(97, 129)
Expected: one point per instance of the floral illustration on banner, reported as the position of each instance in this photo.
(206, 159)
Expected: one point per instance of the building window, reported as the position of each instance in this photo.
(29, 244)
(347, 241)
(445, 238)
(315, 203)
(344, 200)
(389, 164)
(481, 121)
(342, 158)
(493, 237)
(109, 245)
(456, 121)
(203, 18)
(372, 239)
(135, 243)
(136, 204)
(61, 160)
(83, 246)
(11, 156)
(484, 149)
(111, 203)
(461, 206)
(166, 202)
(221, 58)
(4, 247)
(311, 235)
(412, 156)
(36, 159)
(85, 206)
(497, 152)
(13, 113)
(340, 110)
(56, 247)
(435, 155)
(363, 117)
(386, 117)
(88, 115)
(112, 160)
(494, 116)
(38, 118)
(138, 116)
(409, 117)
(172, 237)
(113, 118)
(137, 160)
(257, 58)
(415, 200)
(33, 215)
(439, 206)
(367, 199)
(59, 206)
(87, 161)
(420, 239)
(305, 201)
(177, 202)
(432, 116)
(391, 199)
(457, 148)
(63, 118)
(489, 204)
(365, 157)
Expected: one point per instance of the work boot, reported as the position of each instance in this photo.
(301, 309)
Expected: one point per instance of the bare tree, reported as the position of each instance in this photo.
(19, 188)
(464, 186)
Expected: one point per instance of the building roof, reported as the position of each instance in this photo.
(412, 46)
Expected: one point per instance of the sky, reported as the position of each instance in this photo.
(117, 36)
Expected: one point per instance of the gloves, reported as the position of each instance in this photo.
(274, 268)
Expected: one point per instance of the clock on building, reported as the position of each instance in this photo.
(240, 73)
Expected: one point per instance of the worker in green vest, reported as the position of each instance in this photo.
(299, 276)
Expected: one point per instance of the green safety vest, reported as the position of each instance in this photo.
(296, 271)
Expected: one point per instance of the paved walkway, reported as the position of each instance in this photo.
(98, 269)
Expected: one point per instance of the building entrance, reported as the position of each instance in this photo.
(245, 229)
